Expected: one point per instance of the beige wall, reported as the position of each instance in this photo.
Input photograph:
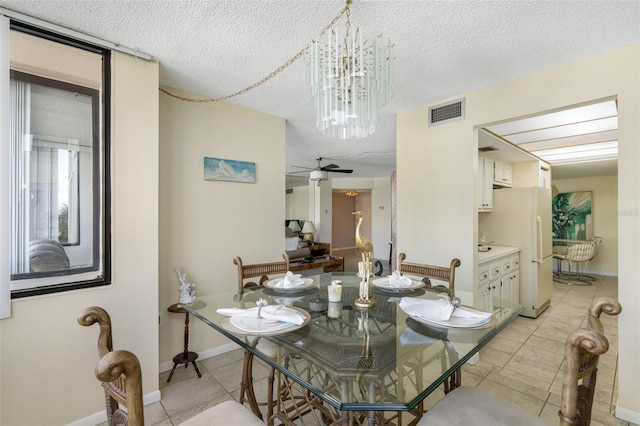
(380, 209)
(604, 211)
(204, 224)
(297, 203)
(437, 167)
(47, 359)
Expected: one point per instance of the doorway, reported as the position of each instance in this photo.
(344, 203)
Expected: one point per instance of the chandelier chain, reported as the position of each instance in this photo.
(272, 74)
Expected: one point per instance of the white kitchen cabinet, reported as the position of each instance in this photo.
(485, 291)
(502, 174)
(498, 278)
(484, 184)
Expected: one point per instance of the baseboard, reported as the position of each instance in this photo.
(606, 274)
(628, 415)
(167, 366)
(101, 417)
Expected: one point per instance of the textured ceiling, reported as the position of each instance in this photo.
(442, 49)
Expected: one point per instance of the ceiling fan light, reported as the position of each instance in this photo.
(318, 176)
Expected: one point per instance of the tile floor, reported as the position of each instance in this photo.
(522, 365)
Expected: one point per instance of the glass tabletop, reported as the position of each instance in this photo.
(375, 358)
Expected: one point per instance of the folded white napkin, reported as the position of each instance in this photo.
(271, 312)
(398, 280)
(442, 310)
(290, 280)
(430, 309)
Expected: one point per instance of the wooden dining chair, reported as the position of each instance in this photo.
(95, 314)
(121, 377)
(123, 385)
(445, 274)
(258, 270)
(467, 405)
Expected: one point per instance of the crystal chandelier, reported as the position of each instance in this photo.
(348, 78)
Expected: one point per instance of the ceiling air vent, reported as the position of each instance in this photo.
(487, 149)
(445, 113)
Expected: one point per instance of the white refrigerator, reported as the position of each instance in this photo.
(521, 217)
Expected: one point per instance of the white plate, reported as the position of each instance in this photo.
(385, 284)
(262, 328)
(459, 322)
(308, 283)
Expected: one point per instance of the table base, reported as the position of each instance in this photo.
(293, 402)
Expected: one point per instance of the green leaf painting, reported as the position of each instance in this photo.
(572, 218)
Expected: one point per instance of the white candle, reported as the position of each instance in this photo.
(335, 291)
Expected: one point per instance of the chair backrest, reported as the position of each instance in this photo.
(598, 241)
(581, 251)
(583, 349)
(118, 370)
(121, 377)
(441, 273)
(91, 315)
(261, 270)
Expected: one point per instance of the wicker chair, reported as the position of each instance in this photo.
(577, 252)
(429, 272)
(121, 377)
(468, 405)
(261, 270)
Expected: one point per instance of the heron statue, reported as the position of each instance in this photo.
(366, 249)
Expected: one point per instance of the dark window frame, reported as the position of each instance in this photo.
(101, 164)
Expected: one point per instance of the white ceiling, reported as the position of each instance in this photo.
(577, 142)
(442, 49)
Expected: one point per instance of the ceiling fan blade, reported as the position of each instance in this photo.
(340, 171)
(331, 166)
(303, 167)
(300, 171)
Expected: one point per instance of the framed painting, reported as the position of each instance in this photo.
(229, 170)
(572, 219)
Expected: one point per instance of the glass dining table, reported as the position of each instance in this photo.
(350, 365)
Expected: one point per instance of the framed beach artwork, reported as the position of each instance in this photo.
(572, 219)
(229, 170)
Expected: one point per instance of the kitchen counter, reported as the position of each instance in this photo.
(496, 252)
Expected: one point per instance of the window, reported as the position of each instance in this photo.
(59, 171)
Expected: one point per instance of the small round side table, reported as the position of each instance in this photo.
(185, 357)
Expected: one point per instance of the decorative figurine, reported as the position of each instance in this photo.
(366, 248)
(187, 289)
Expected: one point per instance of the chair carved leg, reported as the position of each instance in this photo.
(453, 381)
(246, 385)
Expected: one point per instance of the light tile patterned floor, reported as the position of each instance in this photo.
(522, 365)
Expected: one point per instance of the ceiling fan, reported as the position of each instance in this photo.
(320, 173)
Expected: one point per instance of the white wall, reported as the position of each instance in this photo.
(205, 224)
(437, 167)
(604, 210)
(47, 359)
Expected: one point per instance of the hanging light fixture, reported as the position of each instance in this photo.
(318, 176)
(348, 79)
(351, 193)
